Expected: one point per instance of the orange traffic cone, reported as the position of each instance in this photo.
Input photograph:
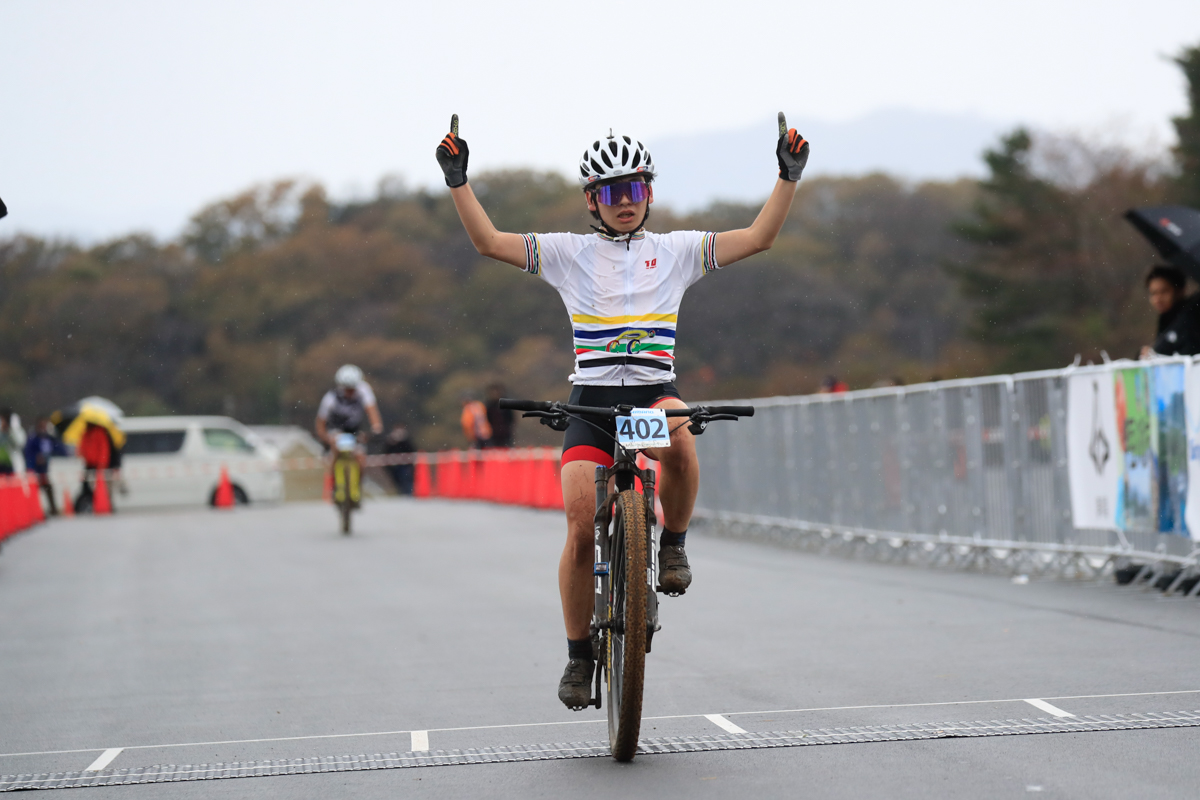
(101, 504)
(422, 486)
(35, 500)
(224, 495)
(68, 505)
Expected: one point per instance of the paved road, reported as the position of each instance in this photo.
(154, 632)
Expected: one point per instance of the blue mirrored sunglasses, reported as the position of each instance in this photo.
(610, 194)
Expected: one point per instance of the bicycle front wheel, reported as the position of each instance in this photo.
(625, 660)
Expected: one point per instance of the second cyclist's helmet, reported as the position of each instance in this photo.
(614, 157)
(348, 376)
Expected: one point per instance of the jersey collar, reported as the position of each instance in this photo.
(628, 237)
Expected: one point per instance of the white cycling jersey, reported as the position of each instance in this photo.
(623, 297)
(340, 413)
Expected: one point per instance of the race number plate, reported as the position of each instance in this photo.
(643, 429)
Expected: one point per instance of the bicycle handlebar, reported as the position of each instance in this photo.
(545, 406)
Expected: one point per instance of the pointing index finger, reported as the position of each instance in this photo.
(783, 129)
(454, 124)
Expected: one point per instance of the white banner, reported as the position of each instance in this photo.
(1192, 405)
(1094, 453)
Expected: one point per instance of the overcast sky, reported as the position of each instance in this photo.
(130, 115)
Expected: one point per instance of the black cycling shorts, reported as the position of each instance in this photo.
(582, 442)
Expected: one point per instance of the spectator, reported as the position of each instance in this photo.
(98, 452)
(397, 442)
(12, 443)
(474, 420)
(1178, 315)
(501, 419)
(38, 450)
(831, 385)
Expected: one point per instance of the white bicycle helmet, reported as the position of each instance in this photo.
(614, 157)
(348, 376)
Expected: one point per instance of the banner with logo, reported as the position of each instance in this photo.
(1170, 415)
(1192, 416)
(1094, 456)
(1131, 435)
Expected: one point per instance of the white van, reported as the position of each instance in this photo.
(177, 461)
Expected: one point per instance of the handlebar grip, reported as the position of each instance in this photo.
(737, 411)
(524, 405)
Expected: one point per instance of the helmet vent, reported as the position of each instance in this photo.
(612, 145)
(607, 160)
(637, 159)
(624, 155)
(596, 167)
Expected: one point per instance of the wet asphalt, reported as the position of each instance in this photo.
(261, 633)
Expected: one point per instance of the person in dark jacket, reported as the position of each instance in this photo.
(501, 419)
(38, 449)
(1178, 315)
(398, 442)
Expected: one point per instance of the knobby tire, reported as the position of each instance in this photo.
(626, 657)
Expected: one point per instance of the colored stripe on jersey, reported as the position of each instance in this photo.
(647, 335)
(533, 253)
(708, 249)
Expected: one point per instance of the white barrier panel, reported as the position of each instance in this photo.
(1093, 450)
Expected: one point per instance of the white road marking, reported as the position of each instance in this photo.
(420, 741)
(105, 759)
(721, 722)
(1049, 709)
(598, 722)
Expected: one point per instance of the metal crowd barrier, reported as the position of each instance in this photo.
(968, 473)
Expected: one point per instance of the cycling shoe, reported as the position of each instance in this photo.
(575, 688)
(674, 574)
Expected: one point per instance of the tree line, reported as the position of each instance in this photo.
(267, 292)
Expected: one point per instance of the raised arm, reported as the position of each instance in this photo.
(452, 155)
(792, 152)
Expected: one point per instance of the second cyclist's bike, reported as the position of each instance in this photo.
(626, 570)
(347, 478)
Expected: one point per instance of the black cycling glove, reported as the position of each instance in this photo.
(792, 152)
(452, 156)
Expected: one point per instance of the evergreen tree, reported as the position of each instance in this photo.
(1055, 271)
(1187, 128)
(1021, 281)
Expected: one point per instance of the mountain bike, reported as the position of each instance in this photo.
(625, 618)
(347, 478)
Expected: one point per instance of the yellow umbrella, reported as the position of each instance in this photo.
(96, 416)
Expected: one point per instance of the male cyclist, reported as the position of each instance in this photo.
(347, 408)
(622, 287)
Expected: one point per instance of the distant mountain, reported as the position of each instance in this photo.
(738, 164)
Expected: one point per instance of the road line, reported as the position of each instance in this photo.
(721, 722)
(420, 741)
(105, 759)
(950, 703)
(1049, 709)
(164, 773)
(596, 722)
